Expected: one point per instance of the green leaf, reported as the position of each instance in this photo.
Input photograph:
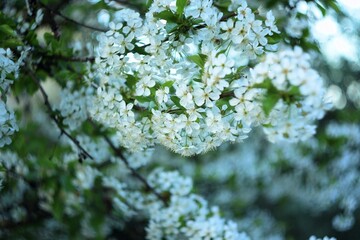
(6, 30)
(331, 4)
(271, 3)
(198, 59)
(131, 80)
(11, 43)
(4, 19)
(223, 5)
(31, 37)
(101, 5)
(221, 52)
(66, 183)
(176, 101)
(195, 21)
(275, 38)
(269, 102)
(48, 37)
(167, 15)
(51, 41)
(167, 84)
(321, 8)
(171, 27)
(143, 99)
(148, 3)
(58, 206)
(180, 6)
(334, 5)
(294, 91)
(221, 102)
(265, 84)
(140, 50)
(310, 46)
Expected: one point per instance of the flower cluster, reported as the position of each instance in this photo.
(8, 67)
(189, 75)
(10, 202)
(297, 22)
(296, 172)
(324, 238)
(9, 71)
(8, 124)
(195, 98)
(183, 214)
(73, 106)
(302, 92)
(187, 215)
(296, 27)
(344, 169)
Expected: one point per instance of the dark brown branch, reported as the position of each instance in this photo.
(137, 175)
(50, 19)
(71, 59)
(40, 216)
(118, 153)
(227, 94)
(56, 119)
(56, 12)
(224, 18)
(126, 3)
(61, 4)
(116, 150)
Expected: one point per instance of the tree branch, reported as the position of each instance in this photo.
(56, 12)
(118, 153)
(71, 59)
(56, 119)
(116, 150)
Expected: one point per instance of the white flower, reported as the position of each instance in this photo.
(223, 65)
(197, 8)
(244, 13)
(162, 95)
(126, 110)
(260, 37)
(207, 96)
(295, 27)
(186, 98)
(227, 27)
(85, 177)
(270, 22)
(8, 125)
(114, 27)
(144, 85)
(324, 238)
(188, 123)
(213, 120)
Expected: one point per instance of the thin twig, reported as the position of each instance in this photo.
(126, 3)
(137, 175)
(52, 11)
(116, 150)
(223, 19)
(55, 118)
(71, 59)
